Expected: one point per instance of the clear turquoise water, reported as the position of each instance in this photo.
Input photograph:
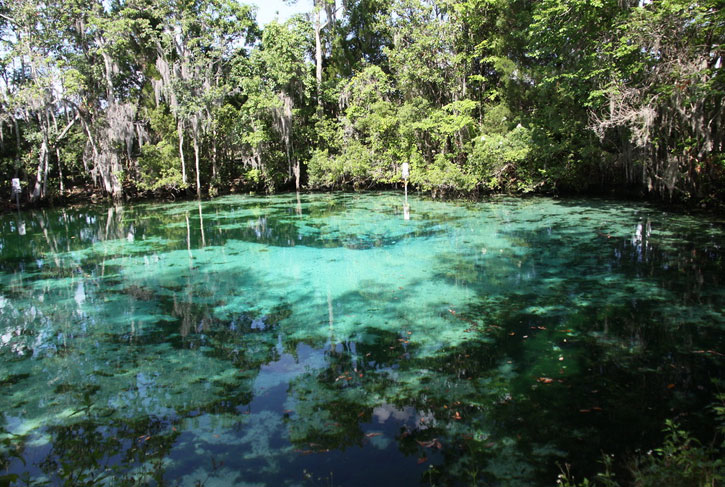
(330, 340)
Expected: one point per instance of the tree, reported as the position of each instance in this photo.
(663, 97)
(276, 81)
(195, 50)
(32, 91)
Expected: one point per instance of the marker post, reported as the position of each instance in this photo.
(16, 191)
(405, 170)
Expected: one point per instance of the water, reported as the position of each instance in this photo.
(346, 340)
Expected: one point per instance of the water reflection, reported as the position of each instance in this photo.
(259, 340)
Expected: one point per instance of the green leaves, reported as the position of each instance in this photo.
(497, 159)
(611, 92)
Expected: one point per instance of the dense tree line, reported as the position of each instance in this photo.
(128, 96)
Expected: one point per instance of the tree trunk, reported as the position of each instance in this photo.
(94, 171)
(17, 146)
(41, 179)
(60, 172)
(214, 155)
(318, 52)
(180, 130)
(116, 184)
(195, 139)
(57, 153)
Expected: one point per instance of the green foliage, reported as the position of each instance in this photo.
(160, 167)
(324, 171)
(612, 95)
(682, 460)
(603, 479)
(159, 164)
(497, 119)
(353, 167)
(497, 159)
(441, 176)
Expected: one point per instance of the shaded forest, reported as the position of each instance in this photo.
(126, 98)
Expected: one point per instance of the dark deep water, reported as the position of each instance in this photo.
(330, 340)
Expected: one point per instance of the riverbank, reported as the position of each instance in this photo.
(80, 195)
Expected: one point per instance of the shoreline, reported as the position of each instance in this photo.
(83, 197)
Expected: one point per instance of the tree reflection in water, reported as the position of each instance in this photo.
(280, 340)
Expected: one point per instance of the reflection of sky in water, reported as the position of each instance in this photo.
(248, 340)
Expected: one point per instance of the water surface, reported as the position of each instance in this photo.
(348, 340)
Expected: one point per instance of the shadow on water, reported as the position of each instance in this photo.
(609, 335)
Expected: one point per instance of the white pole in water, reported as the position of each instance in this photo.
(16, 191)
(406, 173)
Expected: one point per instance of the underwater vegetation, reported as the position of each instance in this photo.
(337, 339)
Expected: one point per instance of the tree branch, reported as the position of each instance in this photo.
(67, 128)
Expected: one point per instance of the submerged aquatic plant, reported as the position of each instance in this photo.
(274, 335)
